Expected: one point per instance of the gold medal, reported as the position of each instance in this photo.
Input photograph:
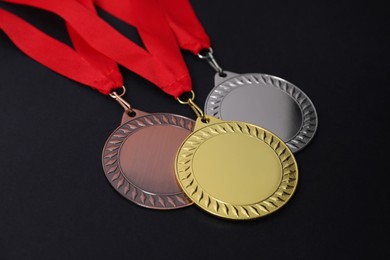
(235, 170)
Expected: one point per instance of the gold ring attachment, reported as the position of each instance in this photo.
(197, 110)
(188, 100)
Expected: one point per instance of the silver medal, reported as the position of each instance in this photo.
(267, 101)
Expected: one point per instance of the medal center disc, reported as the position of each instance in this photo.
(265, 106)
(148, 154)
(244, 172)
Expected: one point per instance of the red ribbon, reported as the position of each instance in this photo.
(104, 64)
(56, 55)
(182, 20)
(162, 64)
(184, 23)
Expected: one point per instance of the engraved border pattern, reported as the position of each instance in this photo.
(118, 180)
(188, 182)
(309, 114)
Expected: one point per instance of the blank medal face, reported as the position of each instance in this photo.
(139, 156)
(236, 170)
(266, 101)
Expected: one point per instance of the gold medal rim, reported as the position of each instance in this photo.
(187, 179)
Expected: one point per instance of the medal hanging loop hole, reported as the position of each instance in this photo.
(208, 55)
(198, 111)
(118, 98)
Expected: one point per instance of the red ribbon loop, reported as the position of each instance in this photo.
(55, 55)
(162, 64)
(184, 23)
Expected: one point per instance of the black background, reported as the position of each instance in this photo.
(55, 202)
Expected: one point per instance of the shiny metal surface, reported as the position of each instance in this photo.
(236, 170)
(267, 101)
(208, 55)
(121, 101)
(138, 159)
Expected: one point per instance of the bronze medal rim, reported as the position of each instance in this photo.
(118, 180)
(188, 182)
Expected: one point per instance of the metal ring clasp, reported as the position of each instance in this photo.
(211, 60)
(190, 101)
(187, 102)
(118, 97)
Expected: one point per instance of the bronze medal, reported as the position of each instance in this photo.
(138, 159)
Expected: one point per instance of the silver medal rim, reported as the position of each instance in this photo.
(309, 114)
(115, 175)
